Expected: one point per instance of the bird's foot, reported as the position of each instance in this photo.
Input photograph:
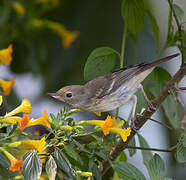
(151, 106)
(133, 126)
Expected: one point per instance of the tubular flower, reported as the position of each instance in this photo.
(15, 164)
(24, 121)
(11, 120)
(67, 37)
(66, 128)
(19, 8)
(28, 144)
(1, 100)
(42, 121)
(110, 125)
(6, 86)
(6, 55)
(25, 107)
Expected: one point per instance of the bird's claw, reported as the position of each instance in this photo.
(133, 126)
(151, 106)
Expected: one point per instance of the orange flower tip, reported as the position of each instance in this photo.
(108, 123)
(7, 86)
(16, 166)
(24, 122)
(6, 55)
(69, 38)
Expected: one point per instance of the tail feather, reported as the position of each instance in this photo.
(162, 60)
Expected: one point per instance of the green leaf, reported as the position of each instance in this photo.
(127, 171)
(63, 163)
(156, 168)
(133, 13)
(32, 166)
(122, 157)
(160, 78)
(95, 170)
(155, 26)
(51, 168)
(147, 155)
(179, 12)
(132, 142)
(181, 152)
(101, 61)
(73, 154)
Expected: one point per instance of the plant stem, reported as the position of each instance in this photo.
(122, 54)
(123, 46)
(149, 149)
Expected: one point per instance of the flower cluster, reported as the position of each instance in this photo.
(110, 125)
(6, 58)
(28, 144)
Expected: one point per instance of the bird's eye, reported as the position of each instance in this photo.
(69, 95)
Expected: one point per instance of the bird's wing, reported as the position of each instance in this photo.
(107, 84)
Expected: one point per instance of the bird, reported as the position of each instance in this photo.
(108, 92)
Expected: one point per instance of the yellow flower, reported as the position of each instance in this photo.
(110, 125)
(67, 37)
(42, 121)
(6, 86)
(6, 55)
(19, 8)
(86, 174)
(28, 144)
(1, 100)
(25, 107)
(11, 120)
(15, 164)
(66, 128)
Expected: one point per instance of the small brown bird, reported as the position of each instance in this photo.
(106, 93)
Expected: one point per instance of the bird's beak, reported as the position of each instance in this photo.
(54, 95)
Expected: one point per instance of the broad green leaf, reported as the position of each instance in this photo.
(63, 163)
(147, 155)
(156, 168)
(127, 171)
(122, 157)
(133, 13)
(179, 12)
(160, 78)
(154, 26)
(32, 166)
(51, 168)
(132, 142)
(73, 154)
(101, 61)
(180, 153)
(95, 170)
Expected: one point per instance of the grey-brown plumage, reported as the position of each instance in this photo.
(107, 92)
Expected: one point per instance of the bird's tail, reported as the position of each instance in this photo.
(162, 60)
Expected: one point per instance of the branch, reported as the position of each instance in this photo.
(179, 26)
(141, 120)
(149, 149)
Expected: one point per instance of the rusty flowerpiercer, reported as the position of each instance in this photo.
(106, 93)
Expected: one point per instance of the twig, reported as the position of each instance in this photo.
(141, 120)
(149, 149)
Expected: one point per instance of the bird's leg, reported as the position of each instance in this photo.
(134, 98)
(150, 105)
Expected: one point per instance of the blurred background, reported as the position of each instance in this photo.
(52, 40)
